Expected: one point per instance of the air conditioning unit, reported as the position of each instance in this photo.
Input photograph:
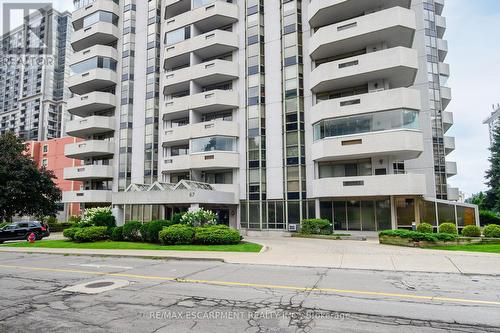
(292, 227)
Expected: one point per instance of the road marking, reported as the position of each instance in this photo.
(101, 266)
(258, 285)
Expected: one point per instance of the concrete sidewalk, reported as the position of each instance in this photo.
(299, 252)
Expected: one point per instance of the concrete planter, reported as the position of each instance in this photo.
(330, 237)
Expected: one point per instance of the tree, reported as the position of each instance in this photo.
(478, 199)
(493, 174)
(25, 190)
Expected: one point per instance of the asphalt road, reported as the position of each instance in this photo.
(195, 296)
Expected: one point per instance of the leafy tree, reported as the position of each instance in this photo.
(24, 188)
(480, 200)
(493, 174)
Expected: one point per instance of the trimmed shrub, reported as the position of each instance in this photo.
(471, 231)
(425, 228)
(492, 231)
(419, 236)
(178, 234)
(199, 218)
(91, 234)
(448, 228)
(150, 231)
(117, 234)
(70, 233)
(216, 235)
(177, 218)
(316, 227)
(98, 217)
(74, 219)
(488, 217)
(132, 231)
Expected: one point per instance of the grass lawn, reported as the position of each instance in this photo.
(491, 248)
(110, 245)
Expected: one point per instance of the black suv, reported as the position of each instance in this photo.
(22, 230)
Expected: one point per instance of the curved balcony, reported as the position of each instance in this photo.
(210, 101)
(203, 161)
(439, 6)
(440, 25)
(447, 120)
(323, 12)
(82, 128)
(449, 144)
(178, 135)
(89, 196)
(394, 26)
(103, 33)
(453, 193)
(88, 149)
(402, 144)
(89, 172)
(451, 169)
(401, 98)
(97, 5)
(445, 96)
(442, 46)
(369, 186)
(398, 66)
(94, 51)
(444, 69)
(95, 79)
(209, 17)
(88, 104)
(208, 45)
(207, 73)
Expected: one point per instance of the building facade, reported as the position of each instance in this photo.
(493, 121)
(33, 73)
(50, 155)
(267, 112)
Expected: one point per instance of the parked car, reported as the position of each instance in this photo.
(22, 230)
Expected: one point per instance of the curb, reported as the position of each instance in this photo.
(108, 255)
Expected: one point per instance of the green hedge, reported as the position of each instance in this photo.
(419, 236)
(448, 228)
(488, 217)
(117, 234)
(316, 227)
(471, 231)
(492, 231)
(60, 226)
(150, 230)
(425, 228)
(178, 234)
(70, 232)
(91, 234)
(132, 231)
(216, 235)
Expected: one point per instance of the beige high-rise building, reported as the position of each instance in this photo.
(266, 112)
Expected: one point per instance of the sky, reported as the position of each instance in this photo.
(474, 56)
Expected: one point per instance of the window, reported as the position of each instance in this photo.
(45, 163)
(215, 143)
(45, 149)
(365, 123)
(353, 168)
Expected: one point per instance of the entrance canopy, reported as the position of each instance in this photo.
(184, 192)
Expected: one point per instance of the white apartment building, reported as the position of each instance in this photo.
(493, 121)
(266, 112)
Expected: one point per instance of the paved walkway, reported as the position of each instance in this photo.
(288, 251)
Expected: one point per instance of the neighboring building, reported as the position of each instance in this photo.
(266, 112)
(493, 121)
(33, 71)
(50, 154)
